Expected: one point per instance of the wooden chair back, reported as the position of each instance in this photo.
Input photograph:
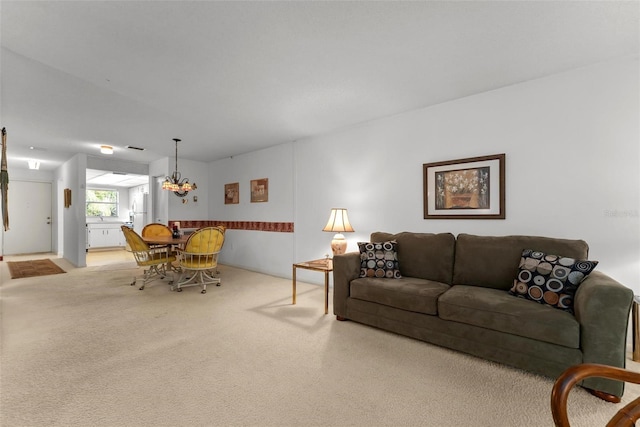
(625, 417)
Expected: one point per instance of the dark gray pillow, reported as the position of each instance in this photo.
(550, 279)
(379, 259)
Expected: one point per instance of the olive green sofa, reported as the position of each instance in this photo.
(454, 292)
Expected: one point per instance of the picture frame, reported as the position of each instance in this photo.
(232, 193)
(67, 197)
(471, 188)
(260, 190)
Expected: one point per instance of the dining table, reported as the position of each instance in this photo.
(170, 242)
(166, 240)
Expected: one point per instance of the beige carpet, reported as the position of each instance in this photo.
(116, 266)
(90, 350)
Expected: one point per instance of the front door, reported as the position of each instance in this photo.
(29, 218)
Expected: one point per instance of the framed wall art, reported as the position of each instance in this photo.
(260, 190)
(472, 188)
(232, 193)
(67, 197)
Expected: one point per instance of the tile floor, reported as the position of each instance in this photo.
(94, 257)
(108, 256)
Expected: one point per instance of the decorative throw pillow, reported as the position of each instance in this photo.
(379, 260)
(550, 279)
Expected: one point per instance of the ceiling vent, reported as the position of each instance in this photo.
(135, 148)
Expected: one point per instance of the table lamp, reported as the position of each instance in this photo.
(338, 223)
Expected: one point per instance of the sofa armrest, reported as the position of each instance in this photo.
(346, 267)
(602, 307)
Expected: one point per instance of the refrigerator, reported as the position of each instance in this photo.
(138, 215)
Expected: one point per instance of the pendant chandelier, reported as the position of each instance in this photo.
(180, 186)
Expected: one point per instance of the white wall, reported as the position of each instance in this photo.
(267, 252)
(572, 171)
(172, 207)
(25, 174)
(181, 208)
(72, 223)
(158, 169)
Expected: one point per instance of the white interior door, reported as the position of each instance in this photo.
(29, 218)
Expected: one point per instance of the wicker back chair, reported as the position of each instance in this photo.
(199, 258)
(153, 260)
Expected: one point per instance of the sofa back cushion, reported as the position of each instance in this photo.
(492, 261)
(423, 255)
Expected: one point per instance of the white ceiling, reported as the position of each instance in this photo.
(233, 77)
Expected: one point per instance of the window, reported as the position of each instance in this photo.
(102, 203)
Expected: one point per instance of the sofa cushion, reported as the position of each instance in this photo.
(497, 310)
(492, 261)
(423, 255)
(379, 259)
(406, 293)
(550, 279)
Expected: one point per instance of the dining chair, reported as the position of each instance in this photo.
(156, 229)
(153, 260)
(199, 259)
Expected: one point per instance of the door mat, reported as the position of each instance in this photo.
(36, 267)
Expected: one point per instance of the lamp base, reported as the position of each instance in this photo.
(338, 244)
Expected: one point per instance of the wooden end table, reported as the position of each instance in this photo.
(324, 265)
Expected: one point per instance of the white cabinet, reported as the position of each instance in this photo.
(105, 235)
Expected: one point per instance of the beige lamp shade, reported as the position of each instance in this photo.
(338, 223)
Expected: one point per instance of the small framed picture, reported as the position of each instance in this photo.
(472, 188)
(232, 193)
(260, 190)
(67, 197)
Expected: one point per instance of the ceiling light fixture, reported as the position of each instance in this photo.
(33, 164)
(179, 186)
(106, 149)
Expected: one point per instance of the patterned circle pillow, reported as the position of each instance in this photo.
(550, 279)
(379, 260)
